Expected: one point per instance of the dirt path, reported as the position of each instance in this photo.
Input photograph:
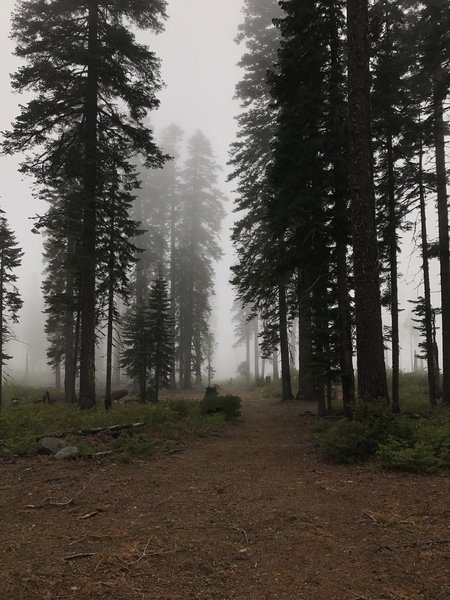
(251, 514)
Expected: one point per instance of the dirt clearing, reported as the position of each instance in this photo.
(252, 513)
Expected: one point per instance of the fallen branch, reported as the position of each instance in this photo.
(81, 555)
(49, 502)
(94, 430)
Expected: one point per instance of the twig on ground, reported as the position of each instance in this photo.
(49, 502)
(89, 514)
(81, 555)
(244, 533)
(161, 503)
(371, 517)
(414, 545)
(98, 564)
(146, 554)
(133, 562)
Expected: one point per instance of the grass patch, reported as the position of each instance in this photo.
(23, 423)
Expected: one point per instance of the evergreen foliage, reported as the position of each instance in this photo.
(94, 86)
(10, 300)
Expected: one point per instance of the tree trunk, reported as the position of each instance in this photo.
(247, 351)
(2, 308)
(392, 233)
(305, 359)
(172, 380)
(110, 325)
(444, 253)
(321, 365)
(256, 349)
(69, 340)
(286, 388)
(341, 224)
(198, 363)
(276, 373)
(58, 376)
(88, 295)
(426, 286)
(372, 382)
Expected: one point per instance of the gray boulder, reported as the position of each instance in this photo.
(67, 452)
(49, 445)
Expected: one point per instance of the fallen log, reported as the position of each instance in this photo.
(93, 431)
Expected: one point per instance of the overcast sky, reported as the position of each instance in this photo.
(199, 59)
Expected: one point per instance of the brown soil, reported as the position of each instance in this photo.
(253, 513)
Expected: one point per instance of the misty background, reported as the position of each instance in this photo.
(199, 67)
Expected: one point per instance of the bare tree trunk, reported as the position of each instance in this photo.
(286, 388)
(341, 224)
(276, 373)
(305, 359)
(69, 339)
(372, 382)
(256, 349)
(2, 308)
(173, 383)
(426, 285)
(88, 299)
(58, 376)
(393, 277)
(247, 351)
(444, 253)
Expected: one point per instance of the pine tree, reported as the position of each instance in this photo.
(372, 383)
(391, 116)
(61, 227)
(136, 340)
(10, 300)
(94, 84)
(201, 216)
(160, 326)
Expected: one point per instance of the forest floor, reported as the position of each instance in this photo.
(253, 513)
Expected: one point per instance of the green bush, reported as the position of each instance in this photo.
(182, 408)
(346, 442)
(398, 455)
(229, 406)
(359, 439)
(395, 442)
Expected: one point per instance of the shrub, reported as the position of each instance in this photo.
(181, 408)
(398, 455)
(347, 442)
(229, 406)
(359, 439)
(395, 442)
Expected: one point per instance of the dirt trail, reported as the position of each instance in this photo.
(252, 514)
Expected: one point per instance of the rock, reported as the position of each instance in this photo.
(67, 452)
(50, 445)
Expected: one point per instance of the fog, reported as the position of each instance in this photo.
(199, 59)
(199, 70)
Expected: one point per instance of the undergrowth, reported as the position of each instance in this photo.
(394, 442)
(22, 424)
